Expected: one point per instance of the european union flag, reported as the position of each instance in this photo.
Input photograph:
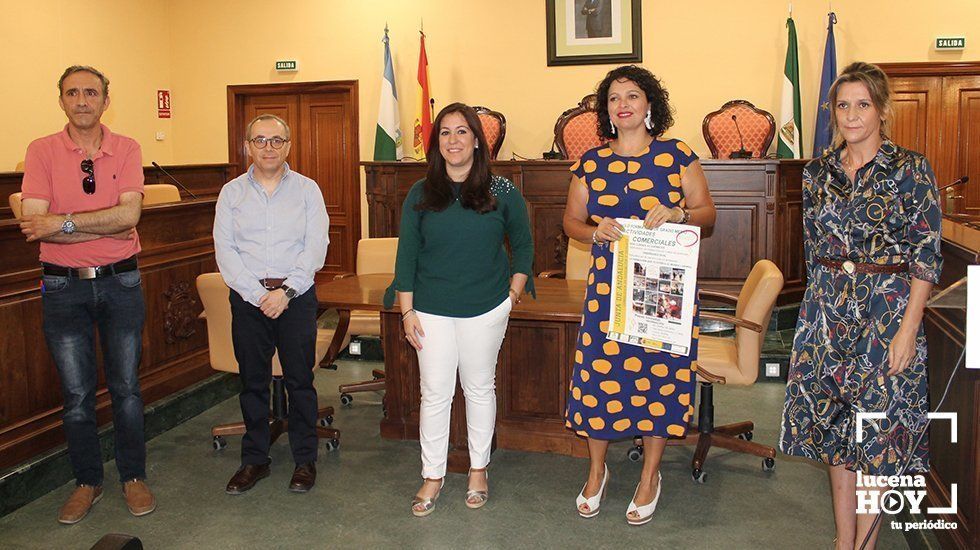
(822, 137)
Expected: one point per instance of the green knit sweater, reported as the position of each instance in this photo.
(454, 261)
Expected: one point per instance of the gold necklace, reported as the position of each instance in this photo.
(849, 166)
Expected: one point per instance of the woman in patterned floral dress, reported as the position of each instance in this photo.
(871, 228)
(620, 390)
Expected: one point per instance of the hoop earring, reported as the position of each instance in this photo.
(647, 121)
(612, 127)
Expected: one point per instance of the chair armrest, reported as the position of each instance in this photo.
(720, 296)
(711, 378)
(344, 275)
(756, 327)
(552, 274)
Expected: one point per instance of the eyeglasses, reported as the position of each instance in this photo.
(88, 182)
(276, 142)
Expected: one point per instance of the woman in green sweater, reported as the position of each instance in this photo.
(456, 287)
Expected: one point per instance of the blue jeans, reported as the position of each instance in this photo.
(73, 308)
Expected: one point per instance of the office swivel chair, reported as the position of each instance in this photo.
(217, 311)
(374, 255)
(731, 362)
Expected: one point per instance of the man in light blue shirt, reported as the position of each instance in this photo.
(270, 239)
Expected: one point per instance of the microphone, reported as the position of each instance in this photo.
(961, 181)
(741, 153)
(953, 202)
(552, 154)
(173, 179)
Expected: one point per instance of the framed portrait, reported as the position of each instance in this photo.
(589, 32)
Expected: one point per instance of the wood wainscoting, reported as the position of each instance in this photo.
(758, 202)
(204, 180)
(954, 463)
(177, 247)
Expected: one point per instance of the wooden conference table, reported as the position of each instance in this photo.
(532, 371)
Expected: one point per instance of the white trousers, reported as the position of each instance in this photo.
(472, 345)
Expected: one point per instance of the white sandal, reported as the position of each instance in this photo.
(646, 511)
(592, 502)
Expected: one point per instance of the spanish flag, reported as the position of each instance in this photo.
(423, 108)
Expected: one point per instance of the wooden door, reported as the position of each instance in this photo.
(937, 113)
(283, 106)
(917, 117)
(961, 135)
(323, 119)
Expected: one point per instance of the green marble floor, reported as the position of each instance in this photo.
(364, 488)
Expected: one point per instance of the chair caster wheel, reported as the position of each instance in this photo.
(346, 399)
(698, 475)
(325, 422)
(747, 436)
(768, 464)
(332, 444)
(635, 453)
(218, 442)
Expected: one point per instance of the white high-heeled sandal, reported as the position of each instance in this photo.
(592, 502)
(426, 505)
(646, 511)
(480, 497)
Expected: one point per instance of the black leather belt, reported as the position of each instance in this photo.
(122, 266)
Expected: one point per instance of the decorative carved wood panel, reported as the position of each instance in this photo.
(177, 246)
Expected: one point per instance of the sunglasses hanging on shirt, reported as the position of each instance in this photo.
(88, 182)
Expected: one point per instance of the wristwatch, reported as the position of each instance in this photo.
(290, 292)
(68, 226)
(686, 217)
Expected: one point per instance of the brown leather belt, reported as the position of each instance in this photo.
(271, 284)
(849, 267)
(85, 273)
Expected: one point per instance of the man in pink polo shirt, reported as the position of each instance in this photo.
(82, 195)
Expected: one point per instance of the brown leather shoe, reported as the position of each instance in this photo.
(79, 503)
(246, 478)
(139, 499)
(304, 477)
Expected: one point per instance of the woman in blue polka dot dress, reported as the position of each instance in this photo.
(620, 390)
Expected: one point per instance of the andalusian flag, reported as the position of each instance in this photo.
(388, 137)
(423, 107)
(790, 144)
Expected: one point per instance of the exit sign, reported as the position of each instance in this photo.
(286, 66)
(950, 43)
